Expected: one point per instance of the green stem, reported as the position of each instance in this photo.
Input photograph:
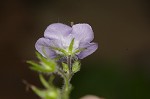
(67, 78)
(69, 64)
(66, 90)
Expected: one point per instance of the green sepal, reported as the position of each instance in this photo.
(71, 46)
(60, 50)
(79, 50)
(49, 65)
(46, 62)
(46, 94)
(76, 66)
(36, 67)
(52, 94)
(38, 55)
(39, 67)
(65, 67)
(45, 65)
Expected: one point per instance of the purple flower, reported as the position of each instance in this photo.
(58, 37)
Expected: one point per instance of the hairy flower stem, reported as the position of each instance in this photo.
(67, 78)
(69, 64)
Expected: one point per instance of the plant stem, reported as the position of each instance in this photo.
(67, 78)
(69, 64)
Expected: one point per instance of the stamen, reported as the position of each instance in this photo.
(72, 23)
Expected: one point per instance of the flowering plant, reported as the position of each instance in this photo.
(59, 52)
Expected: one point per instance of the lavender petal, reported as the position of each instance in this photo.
(82, 32)
(57, 31)
(90, 48)
(43, 47)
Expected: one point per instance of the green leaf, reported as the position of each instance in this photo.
(71, 46)
(39, 92)
(44, 82)
(76, 66)
(65, 67)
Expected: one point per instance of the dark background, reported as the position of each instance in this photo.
(119, 69)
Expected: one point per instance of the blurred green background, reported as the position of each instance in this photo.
(119, 69)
